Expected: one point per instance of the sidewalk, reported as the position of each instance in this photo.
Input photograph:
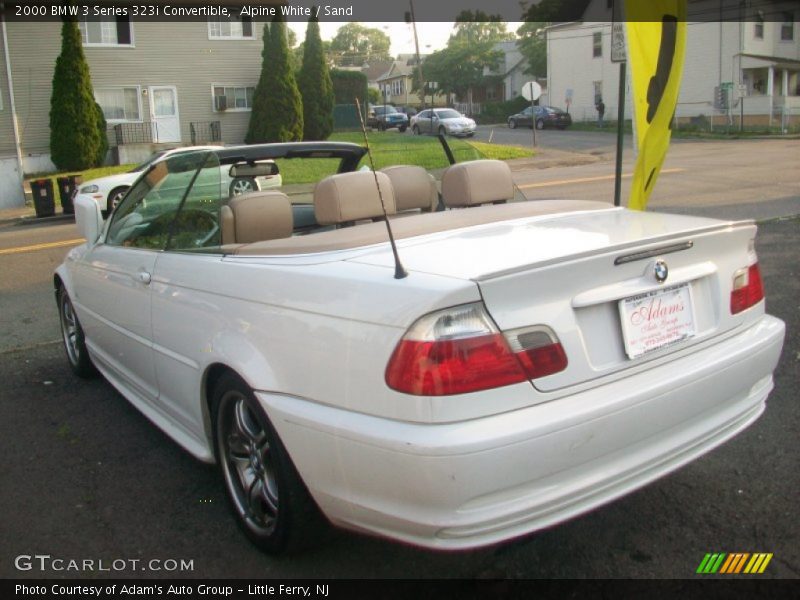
(24, 215)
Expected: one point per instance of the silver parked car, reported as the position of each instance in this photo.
(446, 121)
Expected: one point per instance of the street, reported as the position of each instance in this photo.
(86, 476)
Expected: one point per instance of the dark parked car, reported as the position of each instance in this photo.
(408, 111)
(386, 117)
(545, 116)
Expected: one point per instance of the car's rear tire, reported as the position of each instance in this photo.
(402, 129)
(115, 197)
(539, 124)
(512, 124)
(73, 337)
(242, 185)
(271, 504)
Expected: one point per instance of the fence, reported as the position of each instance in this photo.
(345, 116)
(756, 115)
(204, 132)
(468, 109)
(134, 133)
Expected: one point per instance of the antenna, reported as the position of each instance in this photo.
(399, 271)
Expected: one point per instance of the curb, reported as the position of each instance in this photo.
(33, 219)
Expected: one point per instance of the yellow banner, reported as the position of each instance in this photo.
(656, 40)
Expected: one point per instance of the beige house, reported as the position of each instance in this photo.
(158, 83)
(397, 84)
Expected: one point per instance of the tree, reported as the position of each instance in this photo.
(77, 126)
(479, 27)
(533, 46)
(316, 87)
(556, 10)
(277, 111)
(354, 44)
(469, 54)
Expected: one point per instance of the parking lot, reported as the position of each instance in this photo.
(86, 476)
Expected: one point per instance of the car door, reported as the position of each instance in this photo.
(526, 117)
(187, 297)
(424, 121)
(112, 281)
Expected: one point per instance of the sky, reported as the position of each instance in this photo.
(432, 36)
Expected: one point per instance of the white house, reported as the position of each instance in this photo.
(757, 56)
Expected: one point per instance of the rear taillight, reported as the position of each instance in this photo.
(539, 351)
(460, 350)
(747, 289)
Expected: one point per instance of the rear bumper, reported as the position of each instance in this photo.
(478, 482)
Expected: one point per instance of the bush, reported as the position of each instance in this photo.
(348, 85)
(316, 87)
(277, 114)
(77, 127)
(498, 112)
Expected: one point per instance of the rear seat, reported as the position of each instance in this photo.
(477, 182)
(345, 198)
(414, 188)
(256, 217)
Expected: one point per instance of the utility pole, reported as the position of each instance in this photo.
(416, 46)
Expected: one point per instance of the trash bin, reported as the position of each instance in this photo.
(43, 197)
(66, 189)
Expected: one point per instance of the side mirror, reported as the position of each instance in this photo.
(435, 118)
(88, 218)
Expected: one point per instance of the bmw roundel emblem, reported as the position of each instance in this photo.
(660, 271)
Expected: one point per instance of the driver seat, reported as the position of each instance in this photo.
(256, 217)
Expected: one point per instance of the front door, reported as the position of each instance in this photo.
(164, 114)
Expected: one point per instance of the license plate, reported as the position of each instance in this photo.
(656, 319)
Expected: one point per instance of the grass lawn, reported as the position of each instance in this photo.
(388, 148)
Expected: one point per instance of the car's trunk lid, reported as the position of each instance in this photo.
(584, 274)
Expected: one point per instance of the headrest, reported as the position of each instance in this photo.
(413, 187)
(477, 182)
(352, 197)
(255, 217)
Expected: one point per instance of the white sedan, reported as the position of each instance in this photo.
(109, 190)
(511, 365)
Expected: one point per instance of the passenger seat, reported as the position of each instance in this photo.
(256, 217)
(345, 198)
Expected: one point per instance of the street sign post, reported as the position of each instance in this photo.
(618, 54)
(531, 91)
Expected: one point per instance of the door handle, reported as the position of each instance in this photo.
(144, 277)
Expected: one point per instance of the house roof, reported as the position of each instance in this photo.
(398, 69)
(376, 69)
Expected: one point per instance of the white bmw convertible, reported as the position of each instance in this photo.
(505, 366)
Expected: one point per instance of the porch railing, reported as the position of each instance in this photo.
(203, 132)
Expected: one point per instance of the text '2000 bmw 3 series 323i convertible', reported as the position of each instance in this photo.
(540, 358)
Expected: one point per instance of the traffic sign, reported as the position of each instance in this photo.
(618, 43)
(531, 91)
